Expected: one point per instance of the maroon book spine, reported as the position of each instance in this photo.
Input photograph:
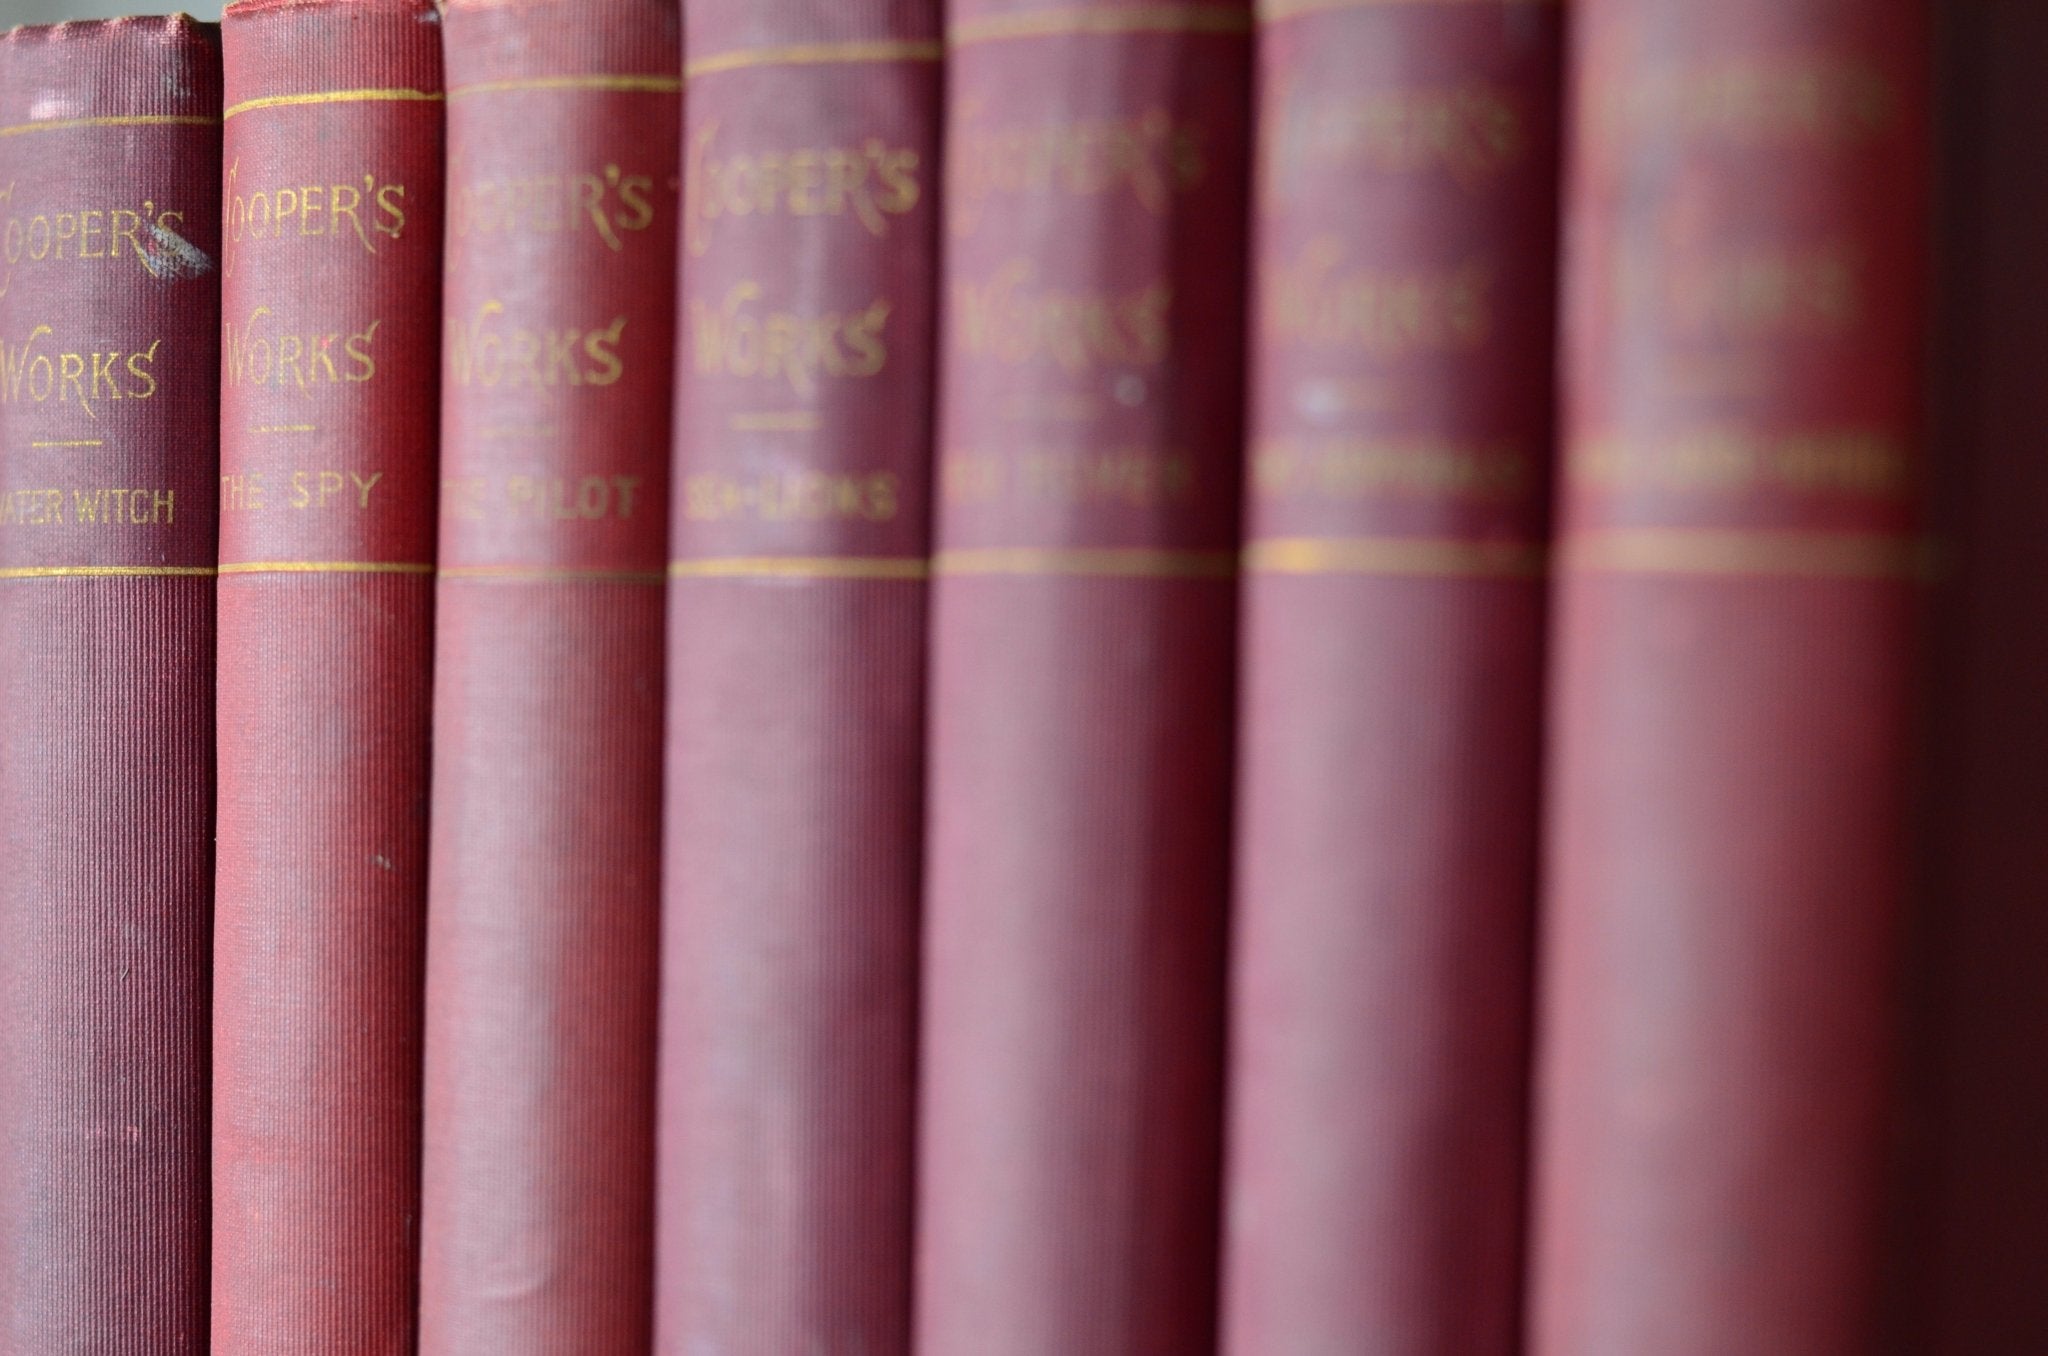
(543, 880)
(330, 356)
(1746, 242)
(1404, 286)
(1091, 417)
(796, 676)
(109, 317)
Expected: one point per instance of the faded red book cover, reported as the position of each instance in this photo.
(109, 397)
(1404, 283)
(543, 879)
(1091, 417)
(796, 676)
(1741, 542)
(331, 328)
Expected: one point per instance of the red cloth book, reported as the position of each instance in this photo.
(1404, 287)
(543, 879)
(330, 296)
(796, 676)
(1746, 256)
(1084, 609)
(109, 397)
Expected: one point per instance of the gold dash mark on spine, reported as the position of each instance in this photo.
(802, 567)
(285, 428)
(617, 84)
(518, 432)
(1275, 11)
(1417, 556)
(1050, 23)
(124, 120)
(815, 54)
(1709, 552)
(334, 96)
(778, 421)
(105, 571)
(1108, 563)
(326, 567)
(550, 574)
(68, 442)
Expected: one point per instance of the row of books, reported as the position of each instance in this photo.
(740, 681)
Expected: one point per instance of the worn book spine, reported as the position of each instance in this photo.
(1091, 417)
(1403, 310)
(1741, 543)
(331, 324)
(543, 879)
(109, 395)
(796, 676)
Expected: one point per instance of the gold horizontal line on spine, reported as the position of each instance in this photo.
(1704, 551)
(777, 421)
(816, 54)
(619, 84)
(68, 442)
(1116, 563)
(1068, 22)
(802, 567)
(103, 571)
(336, 96)
(1441, 556)
(325, 567)
(1278, 11)
(550, 574)
(116, 120)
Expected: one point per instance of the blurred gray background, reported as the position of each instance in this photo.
(50, 11)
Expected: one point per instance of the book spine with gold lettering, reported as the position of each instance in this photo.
(1740, 548)
(1089, 445)
(109, 317)
(796, 675)
(563, 120)
(1404, 285)
(331, 325)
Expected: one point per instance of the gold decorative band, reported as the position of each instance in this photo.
(104, 571)
(325, 567)
(1139, 563)
(120, 120)
(1276, 11)
(815, 54)
(1443, 556)
(335, 96)
(1189, 18)
(550, 574)
(802, 567)
(626, 84)
(1699, 551)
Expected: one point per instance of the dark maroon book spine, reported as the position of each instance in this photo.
(1732, 705)
(109, 319)
(796, 677)
(331, 327)
(537, 1223)
(1977, 1236)
(1404, 282)
(1083, 654)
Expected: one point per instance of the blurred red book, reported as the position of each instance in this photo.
(1404, 286)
